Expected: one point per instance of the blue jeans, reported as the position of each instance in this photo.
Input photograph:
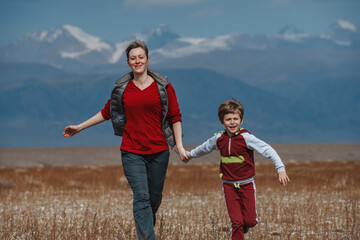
(146, 175)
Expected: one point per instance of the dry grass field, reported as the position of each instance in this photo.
(95, 202)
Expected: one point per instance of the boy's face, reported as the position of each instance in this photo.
(232, 123)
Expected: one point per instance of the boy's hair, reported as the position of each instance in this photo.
(135, 44)
(230, 106)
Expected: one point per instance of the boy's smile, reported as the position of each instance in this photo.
(232, 122)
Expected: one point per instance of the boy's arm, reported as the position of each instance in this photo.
(204, 148)
(265, 150)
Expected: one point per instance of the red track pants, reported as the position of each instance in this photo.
(240, 204)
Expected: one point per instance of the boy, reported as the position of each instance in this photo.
(237, 168)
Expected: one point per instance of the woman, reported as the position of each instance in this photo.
(145, 112)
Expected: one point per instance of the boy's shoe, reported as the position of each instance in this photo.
(245, 229)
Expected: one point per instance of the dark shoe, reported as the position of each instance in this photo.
(245, 229)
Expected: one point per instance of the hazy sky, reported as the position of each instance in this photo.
(114, 20)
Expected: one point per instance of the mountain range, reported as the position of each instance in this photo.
(295, 87)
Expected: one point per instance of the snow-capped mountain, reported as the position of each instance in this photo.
(56, 46)
(343, 33)
(90, 42)
(292, 34)
(271, 74)
(158, 37)
(182, 47)
(70, 46)
(290, 30)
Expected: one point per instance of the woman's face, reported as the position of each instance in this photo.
(138, 60)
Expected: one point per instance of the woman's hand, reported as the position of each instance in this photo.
(178, 139)
(182, 154)
(71, 130)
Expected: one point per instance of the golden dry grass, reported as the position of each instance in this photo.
(95, 202)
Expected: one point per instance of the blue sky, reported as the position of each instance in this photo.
(114, 20)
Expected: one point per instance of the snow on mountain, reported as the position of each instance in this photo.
(69, 45)
(48, 36)
(342, 33)
(119, 51)
(347, 25)
(158, 37)
(290, 30)
(67, 31)
(90, 42)
(291, 33)
(187, 46)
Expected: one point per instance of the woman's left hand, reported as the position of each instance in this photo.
(182, 154)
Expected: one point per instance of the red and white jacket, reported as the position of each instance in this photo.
(237, 155)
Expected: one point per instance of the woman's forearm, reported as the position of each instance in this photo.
(178, 134)
(96, 119)
(178, 139)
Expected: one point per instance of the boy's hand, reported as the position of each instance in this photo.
(283, 178)
(187, 157)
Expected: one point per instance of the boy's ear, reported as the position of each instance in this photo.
(242, 120)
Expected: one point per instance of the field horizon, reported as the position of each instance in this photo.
(110, 155)
(68, 193)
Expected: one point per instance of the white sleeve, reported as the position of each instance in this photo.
(204, 148)
(264, 149)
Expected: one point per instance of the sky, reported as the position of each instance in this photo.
(116, 20)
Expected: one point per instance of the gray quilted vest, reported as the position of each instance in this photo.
(117, 111)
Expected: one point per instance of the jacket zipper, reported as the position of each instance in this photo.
(229, 146)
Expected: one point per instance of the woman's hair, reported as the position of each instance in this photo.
(230, 106)
(136, 44)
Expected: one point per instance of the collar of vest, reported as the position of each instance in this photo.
(242, 130)
(160, 79)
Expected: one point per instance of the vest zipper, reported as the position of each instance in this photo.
(229, 146)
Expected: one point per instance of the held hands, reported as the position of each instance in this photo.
(187, 157)
(183, 154)
(71, 130)
(283, 178)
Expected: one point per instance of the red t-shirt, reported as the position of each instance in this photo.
(143, 128)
